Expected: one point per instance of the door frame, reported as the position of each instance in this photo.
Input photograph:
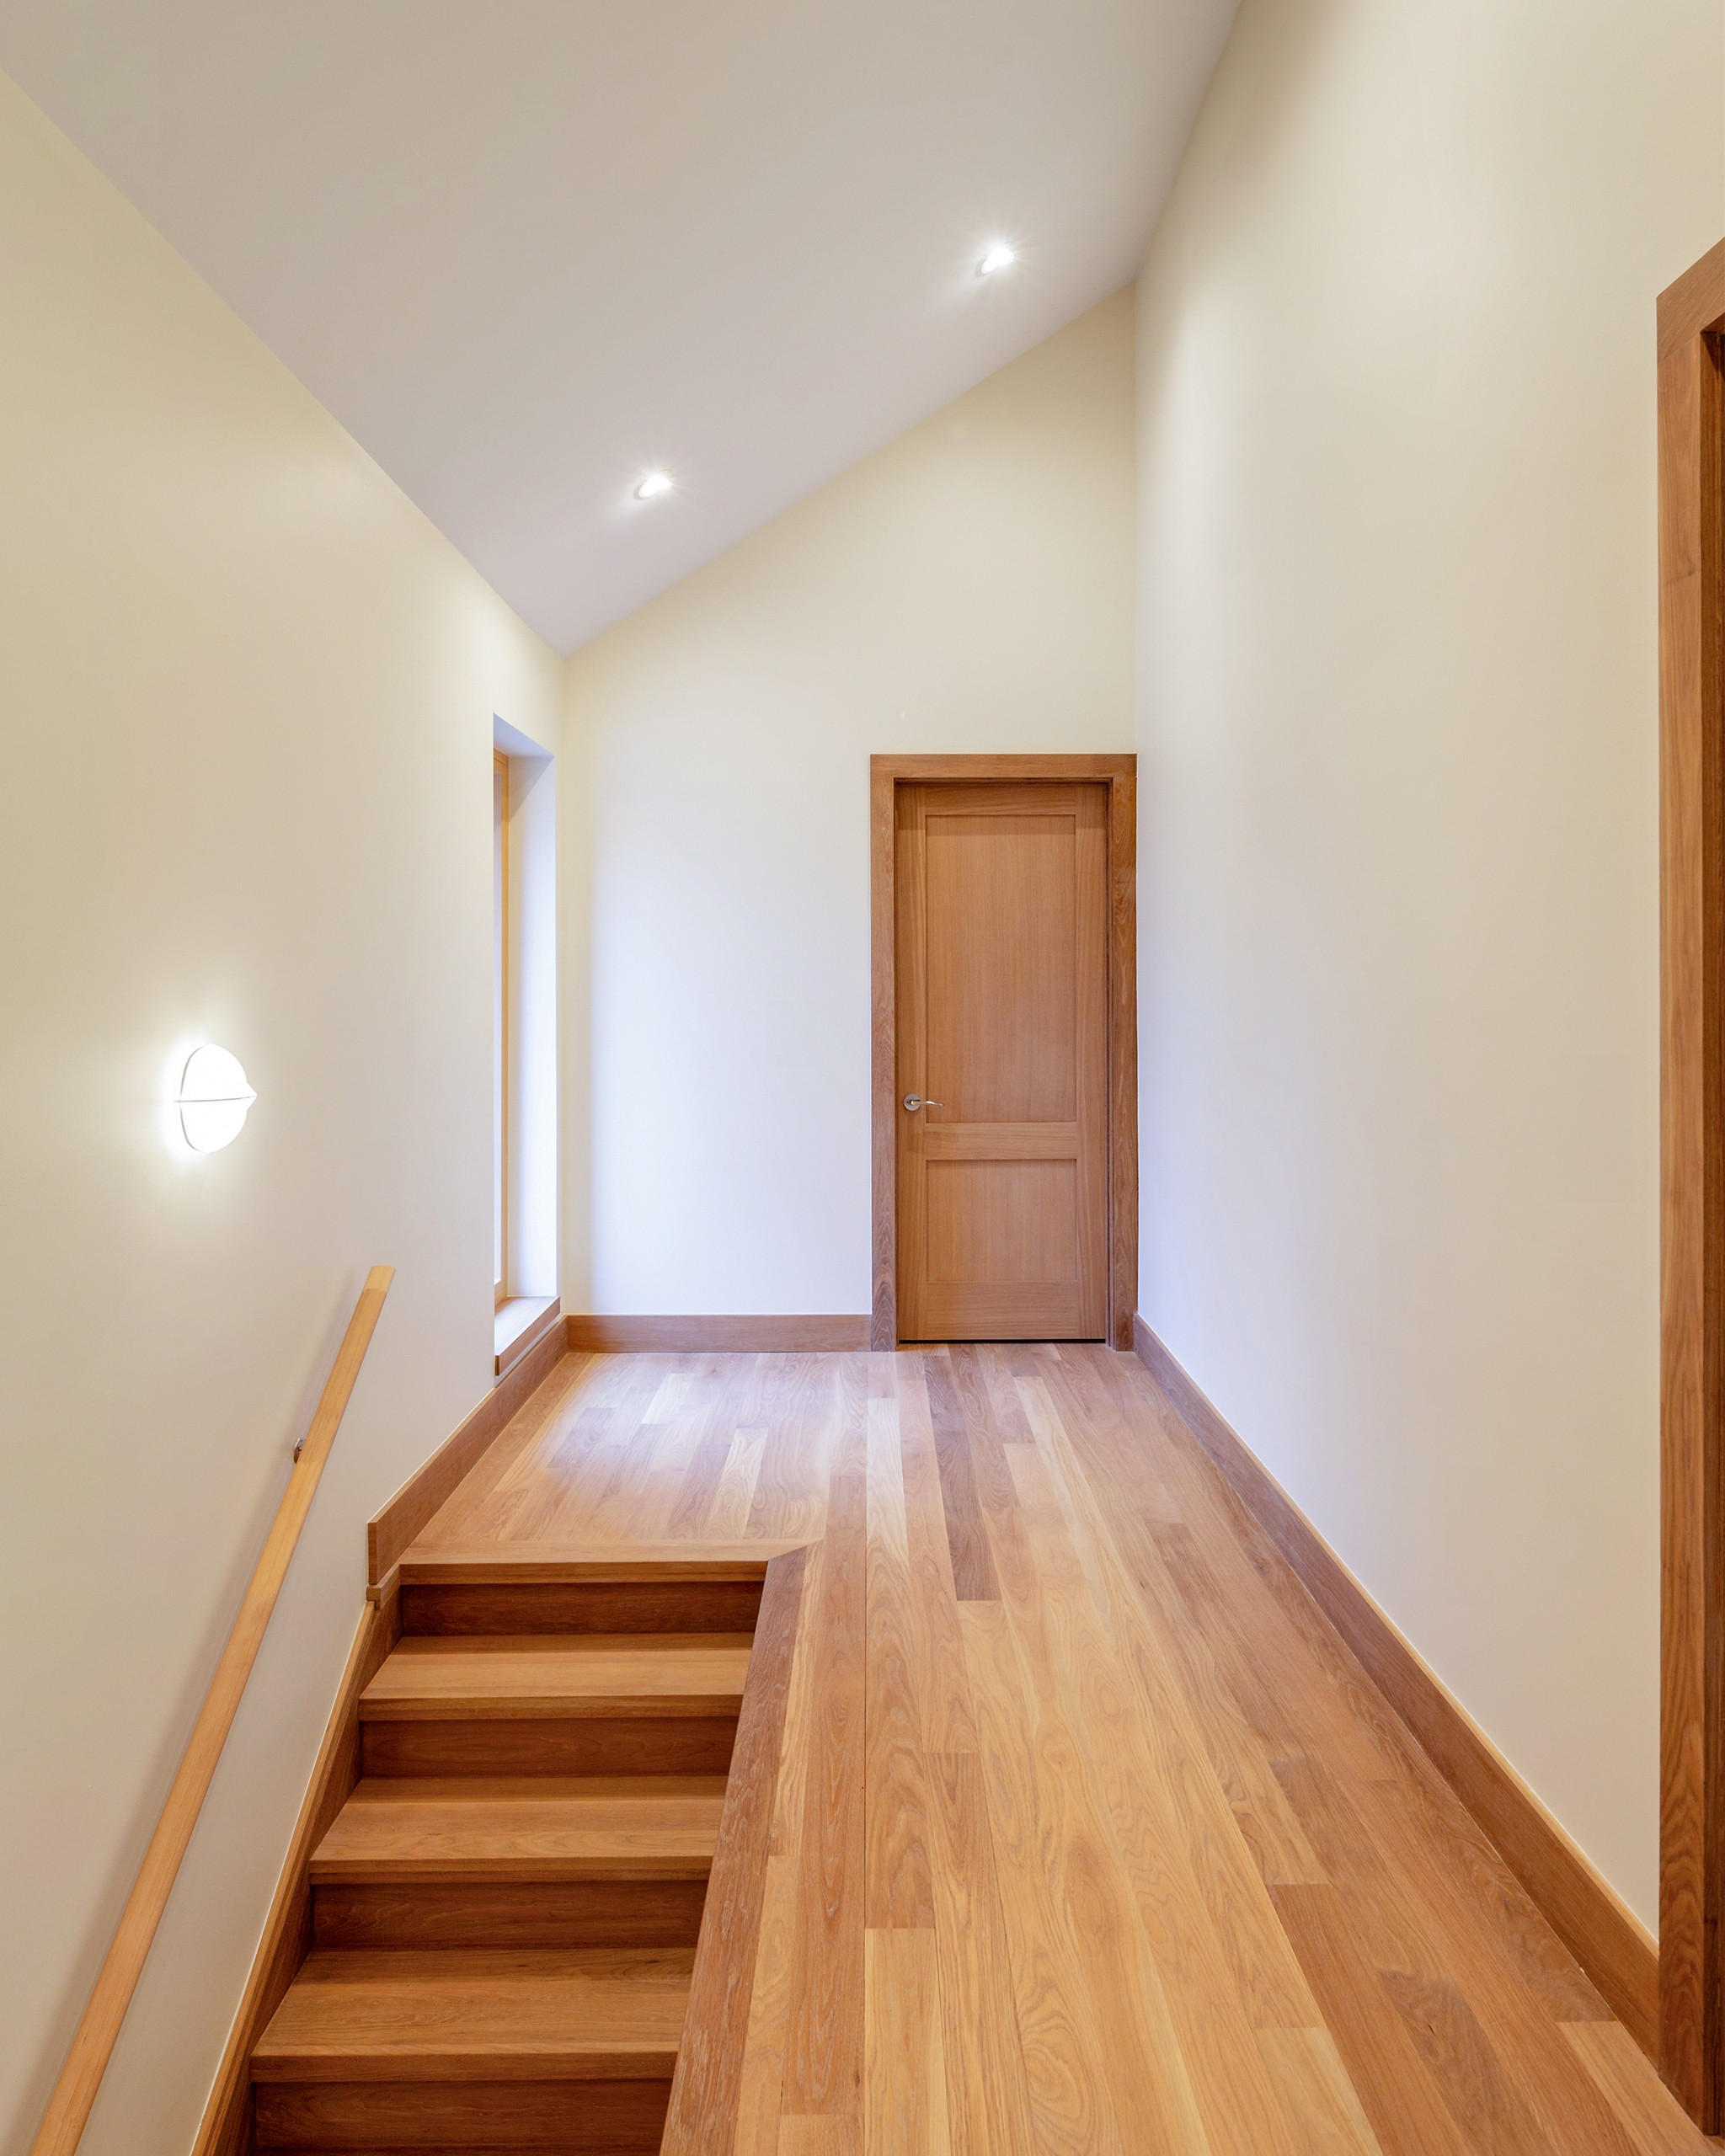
(1119, 774)
(1691, 430)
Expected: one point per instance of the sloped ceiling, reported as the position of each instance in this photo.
(527, 249)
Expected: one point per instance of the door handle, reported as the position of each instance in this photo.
(915, 1101)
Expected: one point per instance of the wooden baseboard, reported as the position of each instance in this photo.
(226, 2126)
(431, 1486)
(716, 1336)
(1616, 1949)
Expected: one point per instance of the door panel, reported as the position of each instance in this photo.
(1002, 996)
(1001, 935)
(1011, 1221)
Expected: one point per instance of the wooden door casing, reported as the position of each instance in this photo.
(1001, 936)
(1692, 436)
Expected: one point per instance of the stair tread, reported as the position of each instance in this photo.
(522, 2014)
(500, 1563)
(594, 1673)
(524, 1828)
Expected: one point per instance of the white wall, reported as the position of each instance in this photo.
(968, 588)
(1397, 742)
(248, 697)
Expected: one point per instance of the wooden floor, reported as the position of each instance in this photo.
(1092, 1835)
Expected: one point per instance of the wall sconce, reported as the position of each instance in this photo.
(213, 1099)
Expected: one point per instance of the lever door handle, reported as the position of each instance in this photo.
(915, 1101)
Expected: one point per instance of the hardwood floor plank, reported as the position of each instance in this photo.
(734, 1498)
(797, 1413)
(1321, 2104)
(800, 2134)
(629, 1462)
(1405, 2109)
(532, 1504)
(989, 2107)
(1622, 2071)
(1089, 1834)
(807, 1675)
(973, 1565)
(1492, 2047)
(905, 2084)
(981, 1426)
(762, 2066)
(1000, 1370)
(1224, 1690)
(1430, 1811)
(521, 1434)
(1190, 1835)
(938, 1645)
(824, 2058)
(1071, 2108)
(1189, 1873)
(1301, 1659)
(1483, 2098)
(897, 1892)
(730, 1401)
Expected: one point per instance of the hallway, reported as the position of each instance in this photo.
(1089, 1835)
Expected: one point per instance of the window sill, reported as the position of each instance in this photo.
(520, 1323)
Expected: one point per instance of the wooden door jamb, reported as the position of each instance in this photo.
(1692, 430)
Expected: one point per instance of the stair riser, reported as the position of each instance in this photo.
(567, 2117)
(571, 1913)
(564, 1606)
(579, 1745)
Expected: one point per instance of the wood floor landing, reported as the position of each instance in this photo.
(1089, 1835)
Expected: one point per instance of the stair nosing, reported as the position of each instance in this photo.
(552, 1564)
(475, 1702)
(409, 2056)
(619, 1811)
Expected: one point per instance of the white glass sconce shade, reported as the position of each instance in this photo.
(214, 1098)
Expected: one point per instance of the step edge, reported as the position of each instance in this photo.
(503, 1871)
(654, 2060)
(491, 1564)
(555, 1706)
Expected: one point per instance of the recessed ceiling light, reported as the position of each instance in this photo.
(1000, 256)
(656, 482)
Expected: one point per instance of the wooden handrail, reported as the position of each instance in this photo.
(75, 2092)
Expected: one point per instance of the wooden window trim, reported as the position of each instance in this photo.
(1120, 776)
(503, 1155)
(1691, 427)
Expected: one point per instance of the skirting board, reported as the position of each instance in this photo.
(1616, 1951)
(716, 1336)
(425, 1492)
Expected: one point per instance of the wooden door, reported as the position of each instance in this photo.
(1001, 963)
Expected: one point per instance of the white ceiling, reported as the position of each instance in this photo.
(525, 250)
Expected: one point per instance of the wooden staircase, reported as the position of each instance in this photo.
(504, 1914)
